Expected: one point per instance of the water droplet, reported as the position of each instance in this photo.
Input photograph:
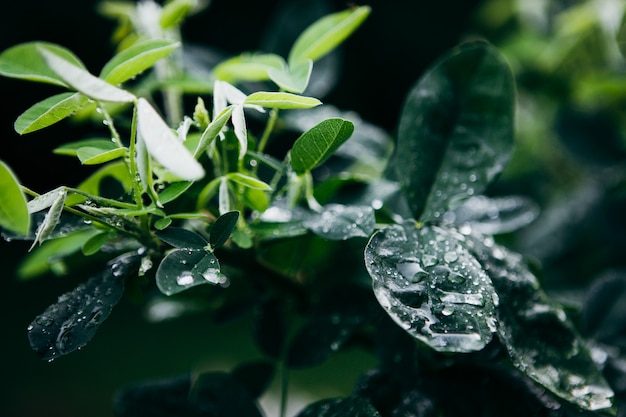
(429, 260)
(450, 257)
(377, 204)
(447, 311)
(184, 279)
(43, 320)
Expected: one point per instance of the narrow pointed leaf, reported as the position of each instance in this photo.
(94, 156)
(430, 283)
(241, 132)
(248, 67)
(174, 11)
(274, 100)
(81, 80)
(182, 269)
(163, 145)
(318, 143)
(136, 59)
(294, 80)
(14, 215)
(223, 228)
(26, 62)
(326, 34)
(213, 130)
(49, 111)
(456, 129)
(248, 181)
(46, 200)
(52, 218)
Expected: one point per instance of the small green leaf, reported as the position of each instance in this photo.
(71, 148)
(294, 80)
(174, 11)
(248, 67)
(182, 238)
(163, 145)
(81, 80)
(456, 129)
(89, 155)
(14, 215)
(182, 269)
(275, 100)
(173, 191)
(430, 283)
(318, 143)
(136, 59)
(26, 62)
(49, 111)
(223, 228)
(326, 34)
(50, 221)
(95, 242)
(248, 181)
(213, 130)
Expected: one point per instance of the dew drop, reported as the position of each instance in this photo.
(184, 279)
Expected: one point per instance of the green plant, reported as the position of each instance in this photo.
(276, 206)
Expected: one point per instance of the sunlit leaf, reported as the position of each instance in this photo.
(248, 67)
(456, 129)
(14, 214)
(213, 130)
(275, 100)
(136, 59)
(174, 11)
(49, 111)
(317, 144)
(294, 80)
(81, 80)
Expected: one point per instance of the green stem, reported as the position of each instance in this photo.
(269, 127)
(108, 121)
(134, 174)
(308, 192)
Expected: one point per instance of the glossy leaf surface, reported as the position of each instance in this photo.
(456, 129)
(182, 269)
(317, 144)
(339, 222)
(49, 111)
(14, 215)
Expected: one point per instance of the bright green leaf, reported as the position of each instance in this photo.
(95, 242)
(49, 111)
(213, 130)
(14, 215)
(26, 62)
(294, 80)
(326, 34)
(71, 148)
(248, 67)
(456, 129)
(81, 80)
(318, 143)
(89, 155)
(275, 100)
(248, 181)
(136, 59)
(174, 11)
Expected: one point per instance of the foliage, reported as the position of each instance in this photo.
(329, 233)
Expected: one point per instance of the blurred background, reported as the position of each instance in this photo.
(569, 158)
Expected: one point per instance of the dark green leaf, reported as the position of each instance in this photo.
(222, 228)
(182, 269)
(173, 191)
(338, 222)
(318, 143)
(49, 111)
(136, 59)
(182, 238)
(72, 321)
(340, 407)
(14, 215)
(256, 377)
(456, 129)
(603, 315)
(432, 286)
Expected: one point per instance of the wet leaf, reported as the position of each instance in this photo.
(541, 340)
(182, 238)
(96, 156)
(49, 111)
(340, 407)
(317, 144)
(456, 129)
(71, 148)
(182, 269)
(14, 214)
(50, 221)
(222, 228)
(432, 286)
(339, 222)
(72, 321)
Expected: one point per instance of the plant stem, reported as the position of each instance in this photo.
(269, 127)
(133, 161)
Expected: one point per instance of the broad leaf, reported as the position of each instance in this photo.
(339, 222)
(541, 340)
(14, 215)
(248, 67)
(26, 62)
(136, 59)
(81, 80)
(317, 144)
(223, 228)
(456, 129)
(294, 80)
(72, 321)
(49, 111)
(274, 100)
(326, 34)
(340, 407)
(432, 286)
(163, 145)
(182, 269)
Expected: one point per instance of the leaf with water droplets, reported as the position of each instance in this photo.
(49, 111)
(456, 129)
(182, 269)
(340, 407)
(541, 340)
(432, 286)
(339, 222)
(72, 321)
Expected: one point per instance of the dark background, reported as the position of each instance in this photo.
(381, 61)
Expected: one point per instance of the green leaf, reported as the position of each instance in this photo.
(136, 59)
(49, 111)
(430, 283)
(248, 67)
(340, 407)
(14, 215)
(25, 61)
(81, 80)
(116, 170)
(339, 222)
(223, 228)
(182, 238)
(89, 155)
(163, 145)
(294, 80)
(173, 191)
(213, 130)
(274, 100)
(95, 242)
(326, 34)
(541, 340)
(52, 217)
(317, 144)
(71, 148)
(248, 181)
(174, 11)
(182, 269)
(456, 129)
